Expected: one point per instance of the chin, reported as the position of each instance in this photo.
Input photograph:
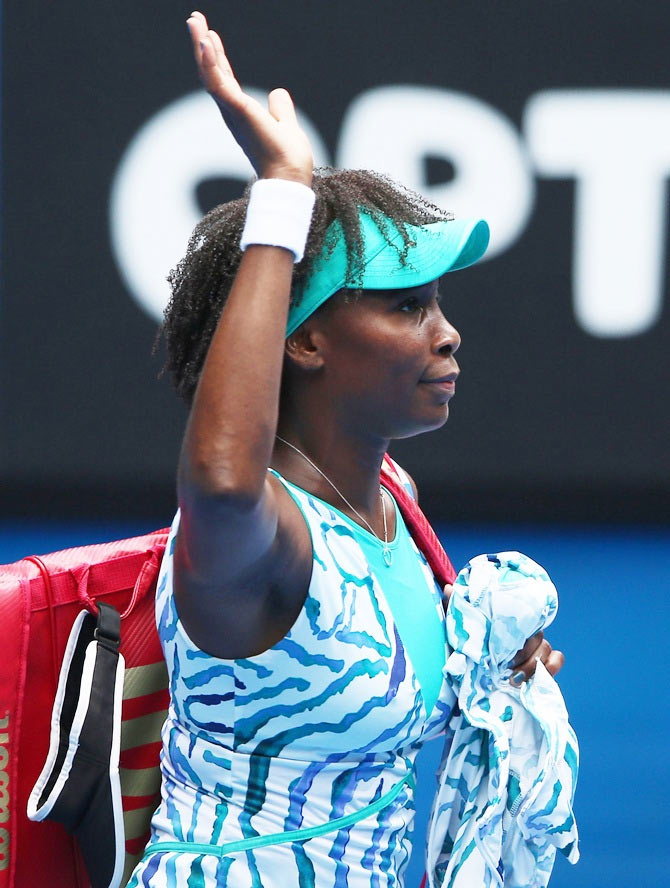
(424, 424)
(437, 424)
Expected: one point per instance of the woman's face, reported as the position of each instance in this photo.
(388, 359)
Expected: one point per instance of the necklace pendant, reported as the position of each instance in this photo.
(388, 556)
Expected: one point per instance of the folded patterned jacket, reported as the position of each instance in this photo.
(509, 768)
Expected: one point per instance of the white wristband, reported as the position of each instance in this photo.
(279, 215)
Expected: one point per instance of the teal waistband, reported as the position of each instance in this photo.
(293, 835)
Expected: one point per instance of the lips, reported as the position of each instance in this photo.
(442, 387)
(448, 378)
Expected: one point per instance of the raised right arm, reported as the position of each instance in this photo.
(229, 509)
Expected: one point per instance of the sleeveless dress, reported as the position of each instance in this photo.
(312, 742)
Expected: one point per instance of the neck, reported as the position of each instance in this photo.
(348, 461)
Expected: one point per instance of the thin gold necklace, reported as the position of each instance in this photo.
(386, 551)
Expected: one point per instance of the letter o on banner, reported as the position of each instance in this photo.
(153, 206)
(394, 128)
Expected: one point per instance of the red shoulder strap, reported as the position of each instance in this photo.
(422, 533)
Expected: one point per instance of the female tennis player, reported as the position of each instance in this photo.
(303, 630)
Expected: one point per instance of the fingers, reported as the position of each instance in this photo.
(528, 651)
(270, 136)
(208, 60)
(280, 105)
(197, 28)
(552, 660)
(213, 65)
(221, 58)
(524, 670)
(218, 77)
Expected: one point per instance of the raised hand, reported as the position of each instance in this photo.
(271, 138)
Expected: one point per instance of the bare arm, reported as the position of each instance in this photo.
(229, 509)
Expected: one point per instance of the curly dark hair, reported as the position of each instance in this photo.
(202, 280)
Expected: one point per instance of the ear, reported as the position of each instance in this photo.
(304, 348)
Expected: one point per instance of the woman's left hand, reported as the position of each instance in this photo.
(536, 648)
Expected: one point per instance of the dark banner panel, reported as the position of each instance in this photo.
(551, 120)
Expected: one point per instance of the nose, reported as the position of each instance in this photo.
(446, 339)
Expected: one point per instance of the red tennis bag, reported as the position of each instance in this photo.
(40, 600)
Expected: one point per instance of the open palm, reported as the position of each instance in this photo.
(271, 138)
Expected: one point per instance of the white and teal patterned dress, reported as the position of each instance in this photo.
(294, 767)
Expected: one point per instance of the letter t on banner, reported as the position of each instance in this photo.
(616, 143)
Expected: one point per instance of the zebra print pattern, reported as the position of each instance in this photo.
(313, 729)
(509, 772)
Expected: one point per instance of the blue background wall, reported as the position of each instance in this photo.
(612, 626)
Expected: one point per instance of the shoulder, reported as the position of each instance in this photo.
(242, 614)
(412, 484)
(403, 476)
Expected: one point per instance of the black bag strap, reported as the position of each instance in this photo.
(79, 785)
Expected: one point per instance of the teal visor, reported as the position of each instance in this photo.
(436, 248)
